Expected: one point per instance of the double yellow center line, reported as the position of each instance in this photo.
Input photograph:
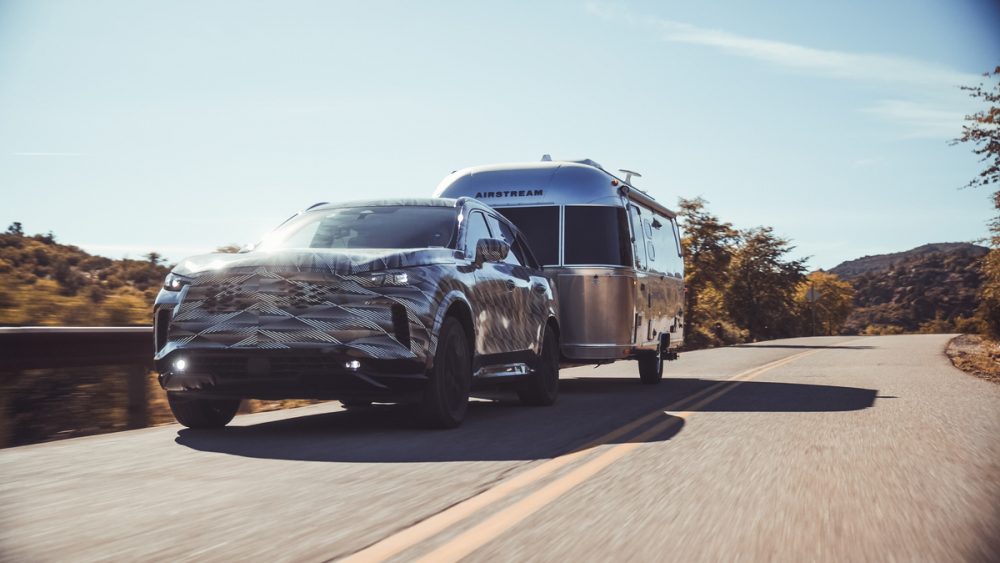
(478, 535)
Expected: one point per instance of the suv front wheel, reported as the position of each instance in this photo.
(198, 413)
(446, 397)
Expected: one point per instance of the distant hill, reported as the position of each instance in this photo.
(43, 282)
(906, 289)
(883, 262)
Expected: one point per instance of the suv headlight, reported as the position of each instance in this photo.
(174, 282)
(390, 278)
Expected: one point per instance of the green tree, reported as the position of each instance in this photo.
(982, 129)
(708, 247)
(715, 326)
(15, 229)
(833, 303)
(760, 293)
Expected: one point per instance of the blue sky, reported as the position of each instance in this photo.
(129, 126)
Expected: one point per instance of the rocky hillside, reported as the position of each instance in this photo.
(928, 284)
(43, 282)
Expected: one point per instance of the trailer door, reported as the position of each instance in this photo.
(642, 295)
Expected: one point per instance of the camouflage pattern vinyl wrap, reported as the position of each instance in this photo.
(350, 302)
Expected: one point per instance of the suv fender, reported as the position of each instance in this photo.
(453, 297)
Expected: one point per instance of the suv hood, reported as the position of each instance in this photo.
(339, 261)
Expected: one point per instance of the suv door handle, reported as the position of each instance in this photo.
(539, 287)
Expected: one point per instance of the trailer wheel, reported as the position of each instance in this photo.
(651, 367)
(541, 387)
(198, 413)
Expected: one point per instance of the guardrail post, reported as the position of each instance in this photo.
(137, 406)
(6, 422)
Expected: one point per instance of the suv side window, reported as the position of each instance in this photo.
(524, 254)
(475, 230)
(515, 257)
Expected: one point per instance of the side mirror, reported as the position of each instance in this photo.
(491, 250)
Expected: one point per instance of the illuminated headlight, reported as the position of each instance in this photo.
(180, 364)
(390, 279)
(175, 282)
(353, 365)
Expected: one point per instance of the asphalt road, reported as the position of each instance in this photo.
(819, 449)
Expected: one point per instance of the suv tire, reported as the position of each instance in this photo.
(446, 396)
(541, 387)
(199, 413)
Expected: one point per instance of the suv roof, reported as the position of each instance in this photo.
(407, 202)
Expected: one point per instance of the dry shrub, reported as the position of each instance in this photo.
(976, 355)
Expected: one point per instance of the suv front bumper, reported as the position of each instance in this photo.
(289, 374)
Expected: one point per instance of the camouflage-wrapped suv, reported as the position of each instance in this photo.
(404, 300)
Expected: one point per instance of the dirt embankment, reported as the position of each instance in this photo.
(976, 355)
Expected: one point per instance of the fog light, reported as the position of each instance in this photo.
(353, 365)
(180, 364)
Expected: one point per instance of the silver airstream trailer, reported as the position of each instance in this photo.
(612, 250)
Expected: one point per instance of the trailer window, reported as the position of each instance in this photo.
(638, 248)
(540, 225)
(597, 235)
(669, 261)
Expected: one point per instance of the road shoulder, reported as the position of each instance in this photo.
(975, 355)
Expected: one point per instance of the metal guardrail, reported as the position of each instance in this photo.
(33, 347)
(26, 348)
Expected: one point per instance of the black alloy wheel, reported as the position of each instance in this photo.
(541, 387)
(446, 397)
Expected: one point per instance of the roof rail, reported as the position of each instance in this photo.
(317, 205)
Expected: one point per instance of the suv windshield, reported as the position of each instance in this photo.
(368, 227)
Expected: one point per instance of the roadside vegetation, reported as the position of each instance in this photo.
(743, 287)
(43, 282)
(981, 355)
(976, 355)
(982, 131)
(931, 288)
